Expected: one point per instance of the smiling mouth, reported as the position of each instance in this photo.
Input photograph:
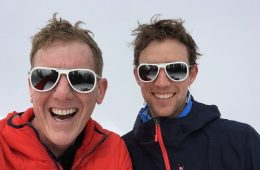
(164, 95)
(63, 114)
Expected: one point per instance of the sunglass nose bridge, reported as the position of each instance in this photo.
(62, 71)
(162, 65)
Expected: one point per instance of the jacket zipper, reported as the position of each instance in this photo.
(158, 138)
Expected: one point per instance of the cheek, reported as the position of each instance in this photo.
(146, 91)
(144, 87)
(88, 101)
(36, 98)
(88, 108)
(39, 100)
(183, 88)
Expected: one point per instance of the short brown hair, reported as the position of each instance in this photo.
(159, 30)
(59, 29)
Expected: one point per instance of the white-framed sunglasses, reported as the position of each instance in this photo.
(176, 71)
(44, 79)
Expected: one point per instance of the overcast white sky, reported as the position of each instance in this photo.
(226, 31)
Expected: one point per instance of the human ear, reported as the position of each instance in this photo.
(193, 74)
(102, 87)
(30, 91)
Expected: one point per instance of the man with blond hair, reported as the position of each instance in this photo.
(65, 84)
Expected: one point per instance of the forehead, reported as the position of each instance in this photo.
(65, 55)
(166, 51)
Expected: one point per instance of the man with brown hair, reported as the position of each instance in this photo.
(173, 130)
(65, 84)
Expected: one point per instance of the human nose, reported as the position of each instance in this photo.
(162, 79)
(62, 89)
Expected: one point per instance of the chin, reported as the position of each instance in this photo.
(165, 115)
(163, 112)
(63, 140)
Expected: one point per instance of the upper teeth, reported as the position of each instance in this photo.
(64, 111)
(163, 96)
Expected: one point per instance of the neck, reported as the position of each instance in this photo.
(57, 150)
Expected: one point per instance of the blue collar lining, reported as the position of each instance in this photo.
(145, 115)
(186, 109)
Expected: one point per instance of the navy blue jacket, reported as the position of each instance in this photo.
(200, 141)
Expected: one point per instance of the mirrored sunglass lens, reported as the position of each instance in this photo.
(177, 71)
(148, 72)
(43, 79)
(82, 80)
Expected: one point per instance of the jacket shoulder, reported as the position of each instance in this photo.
(227, 132)
(230, 126)
(128, 135)
(114, 146)
(238, 144)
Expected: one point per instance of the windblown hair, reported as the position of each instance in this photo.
(160, 30)
(59, 29)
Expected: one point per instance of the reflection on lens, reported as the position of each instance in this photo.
(177, 71)
(43, 79)
(82, 80)
(148, 72)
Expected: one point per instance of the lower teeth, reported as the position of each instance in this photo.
(63, 117)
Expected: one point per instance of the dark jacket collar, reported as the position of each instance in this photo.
(177, 129)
